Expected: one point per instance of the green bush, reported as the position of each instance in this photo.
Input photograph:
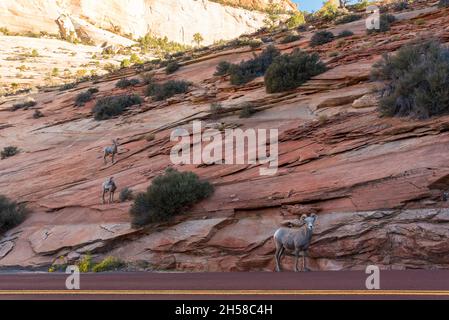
(9, 152)
(168, 89)
(321, 37)
(11, 214)
(401, 5)
(82, 98)
(85, 263)
(125, 83)
(110, 107)
(418, 81)
(348, 18)
(68, 86)
(247, 111)
(291, 70)
(251, 69)
(108, 264)
(93, 90)
(125, 63)
(24, 105)
(172, 67)
(37, 114)
(222, 68)
(290, 38)
(385, 22)
(345, 33)
(443, 3)
(126, 194)
(169, 194)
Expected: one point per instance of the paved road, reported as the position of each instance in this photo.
(309, 285)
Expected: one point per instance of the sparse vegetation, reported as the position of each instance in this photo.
(125, 83)
(198, 38)
(297, 19)
(85, 263)
(11, 214)
(418, 77)
(247, 110)
(160, 46)
(348, 18)
(401, 5)
(172, 67)
(321, 37)
(345, 33)
(108, 264)
(290, 38)
(291, 70)
(110, 107)
(169, 194)
(222, 68)
(168, 89)
(37, 114)
(125, 63)
(82, 98)
(251, 69)
(68, 86)
(8, 152)
(24, 105)
(443, 3)
(126, 194)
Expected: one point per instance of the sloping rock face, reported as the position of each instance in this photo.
(178, 20)
(377, 184)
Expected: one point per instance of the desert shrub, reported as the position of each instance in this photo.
(215, 109)
(296, 20)
(172, 67)
(443, 3)
(109, 107)
(345, 33)
(222, 68)
(251, 69)
(24, 105)
(247, 111)
(125, 83)
(150, 137)
(67, 86)
(9, 152)
(321, 37)
(125, 63)
(93, 90)
(85, 263)
(135, 59)
(401, 5)
(418, 81)
(348, 18)
(82, 98)
(254, 44)
(108, 264)
(291, 70)
(147, 77)
(169, 194)
(290, 38)
(11, 214)
(126, 194)
(168, 89)
(37, 114)
(385, 22)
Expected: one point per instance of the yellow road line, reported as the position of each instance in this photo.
(233, 292)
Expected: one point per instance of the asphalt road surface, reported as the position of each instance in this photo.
(413, 284)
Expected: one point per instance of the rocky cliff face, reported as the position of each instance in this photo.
(376, 183)
(179, 20)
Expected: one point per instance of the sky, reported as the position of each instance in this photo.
(309, 5)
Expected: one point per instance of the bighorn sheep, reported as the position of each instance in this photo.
(294, 239)
(111, 151)
(109, 186)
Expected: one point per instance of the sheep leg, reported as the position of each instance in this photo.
(277, 257)
(104, 158)
(112, 158)
(296, 260)
(103, 196)
(112, 196)
(304, 255)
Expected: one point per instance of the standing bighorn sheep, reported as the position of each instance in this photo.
(110, 151)
(110, 187)
(294, 239)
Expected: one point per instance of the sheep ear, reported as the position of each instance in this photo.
(303, 217)
(314, 216)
